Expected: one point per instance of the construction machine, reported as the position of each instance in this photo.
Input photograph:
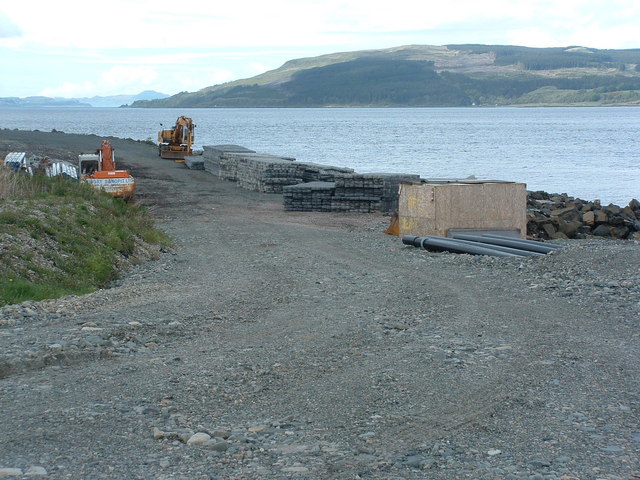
(99, 170)
(176, 142)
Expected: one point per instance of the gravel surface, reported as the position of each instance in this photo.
(277, 345)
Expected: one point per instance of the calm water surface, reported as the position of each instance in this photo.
(592, 153)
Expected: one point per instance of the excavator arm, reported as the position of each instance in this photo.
(107, 160)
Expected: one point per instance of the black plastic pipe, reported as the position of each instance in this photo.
(521, 240)
(516, 251)
(450, 245)
(506, 242)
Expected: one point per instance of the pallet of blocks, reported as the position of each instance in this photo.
(194, 162)
(228, 165)
(212, 153)
(314, 172)
(357, 193)
(266, 173)
(391, 188)
(308, 197)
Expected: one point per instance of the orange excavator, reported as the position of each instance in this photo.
(176, 142)
(99, 170)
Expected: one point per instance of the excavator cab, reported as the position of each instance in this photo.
(88, 163)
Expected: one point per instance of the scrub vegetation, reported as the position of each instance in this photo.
(60, 237)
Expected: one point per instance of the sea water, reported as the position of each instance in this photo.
(591, 153)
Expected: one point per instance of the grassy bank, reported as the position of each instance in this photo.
(59, 237)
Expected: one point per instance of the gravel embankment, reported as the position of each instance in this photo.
(287, 345)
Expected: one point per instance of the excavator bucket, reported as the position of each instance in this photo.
(394, 227)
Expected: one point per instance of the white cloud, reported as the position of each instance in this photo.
(136, 44)
(259, 67)
(69, 90)
(534, 37)
(190, 80)
(129, 24)
(131, 80)
(116, 80)
(8, 29)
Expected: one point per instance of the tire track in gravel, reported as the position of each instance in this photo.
(348, 344)
(335, 362)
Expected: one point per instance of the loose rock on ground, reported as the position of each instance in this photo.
(310, 345)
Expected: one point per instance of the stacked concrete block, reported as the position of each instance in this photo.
(309, 197)
(306, 186)
(357, 193)
(194, 162)
(362, 186)
(212, 154)
(391, 189)
(228, 166)
(266, 173)
(313, 172)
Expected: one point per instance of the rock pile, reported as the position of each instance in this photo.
(554, 216)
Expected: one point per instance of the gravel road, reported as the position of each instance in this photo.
(277, 345)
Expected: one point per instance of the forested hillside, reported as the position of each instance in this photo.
(453, 75)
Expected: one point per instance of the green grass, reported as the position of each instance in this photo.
(60, 237)
(17, 290)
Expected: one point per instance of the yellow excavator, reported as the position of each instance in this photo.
(176, 142)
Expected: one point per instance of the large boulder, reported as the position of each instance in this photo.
(552, 216)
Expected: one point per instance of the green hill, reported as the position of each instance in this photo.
(423, 76)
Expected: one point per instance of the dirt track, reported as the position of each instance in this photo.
(311, 345)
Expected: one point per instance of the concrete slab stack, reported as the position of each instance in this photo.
(352, 192)
(309, 197)
(194, 162)
(391, 189)
(306, 186)
(357, 193)
(266, 173)
(314, 172)
(212, 153)
(228, 166)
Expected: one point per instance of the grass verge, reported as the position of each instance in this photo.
(59, 237)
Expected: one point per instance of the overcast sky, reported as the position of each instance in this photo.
(77, 48)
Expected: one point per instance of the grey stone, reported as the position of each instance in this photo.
(613, 448)
(217, 445)
(602, 231)
(199, 438)
(36, 471)
(10, 472)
